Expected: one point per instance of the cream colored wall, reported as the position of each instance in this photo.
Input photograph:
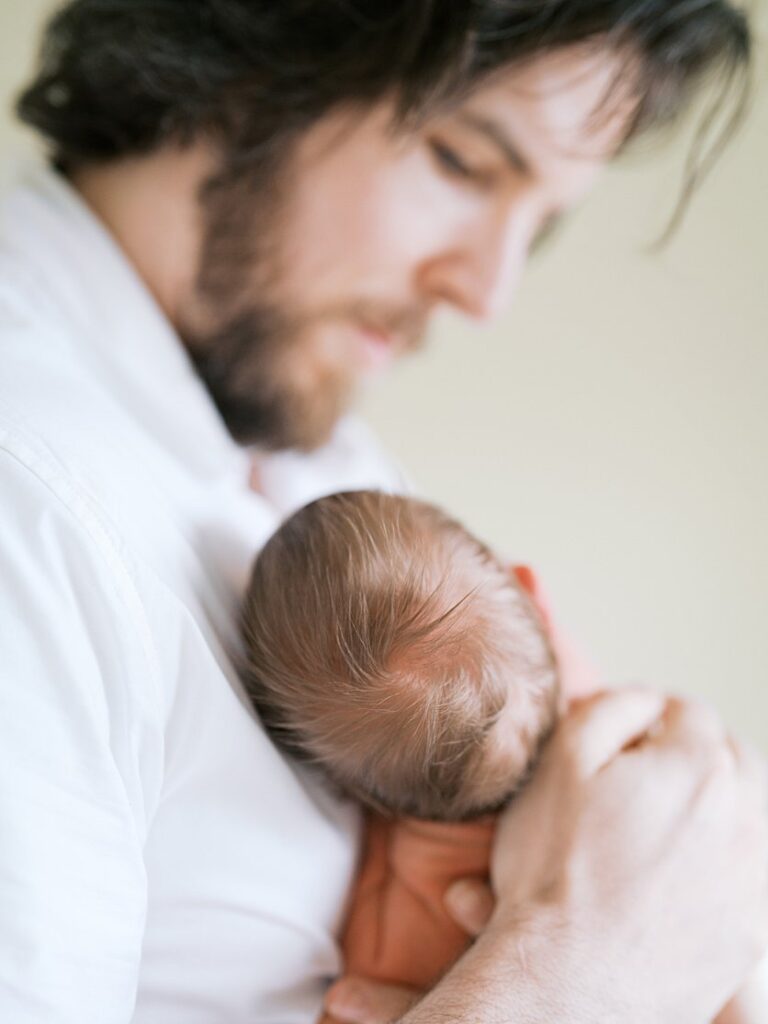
(612, 429)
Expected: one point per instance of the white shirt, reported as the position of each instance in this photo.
(159, 861)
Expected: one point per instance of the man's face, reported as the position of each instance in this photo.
(335, 269)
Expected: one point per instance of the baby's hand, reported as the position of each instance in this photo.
(470, 903)
(354, 1000)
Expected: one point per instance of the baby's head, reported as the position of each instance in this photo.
(388, 645)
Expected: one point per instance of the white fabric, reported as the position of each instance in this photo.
(159, 861)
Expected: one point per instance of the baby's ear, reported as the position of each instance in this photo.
(579, 676)
(531, 584)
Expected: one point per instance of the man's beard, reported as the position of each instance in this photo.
(256, 358)
(246, 364)
(238, 339)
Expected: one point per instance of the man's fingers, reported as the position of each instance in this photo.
(356, 1000)
(693, 732)
(470, 903)
(600, 727)
(689, 725)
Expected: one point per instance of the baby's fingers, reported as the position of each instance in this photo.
(470, 903)
(354, 1000)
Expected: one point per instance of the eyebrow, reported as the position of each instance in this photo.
(492, 130)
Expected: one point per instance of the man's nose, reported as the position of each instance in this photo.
(479, 273)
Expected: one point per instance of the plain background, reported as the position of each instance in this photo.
(612, 428)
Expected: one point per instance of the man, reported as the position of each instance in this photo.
(253, 206)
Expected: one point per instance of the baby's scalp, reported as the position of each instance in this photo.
(388, 645)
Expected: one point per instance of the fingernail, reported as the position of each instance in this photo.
(345, 1005)
(461, 896)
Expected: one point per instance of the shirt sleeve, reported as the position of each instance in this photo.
(79, 754)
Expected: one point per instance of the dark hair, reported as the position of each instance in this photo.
(121, 77)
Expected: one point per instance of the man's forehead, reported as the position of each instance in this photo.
(575, 102)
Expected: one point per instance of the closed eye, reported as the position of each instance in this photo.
(451, 162)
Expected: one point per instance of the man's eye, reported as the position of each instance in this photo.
(450, 161)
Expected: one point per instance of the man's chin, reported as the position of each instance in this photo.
(268, 392)
(282, 426)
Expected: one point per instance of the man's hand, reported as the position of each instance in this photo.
(638, 858)
(630, 875)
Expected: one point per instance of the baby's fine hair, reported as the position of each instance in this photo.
(388, 645)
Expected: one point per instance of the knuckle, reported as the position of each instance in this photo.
(701, 722)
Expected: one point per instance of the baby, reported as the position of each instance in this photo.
(393, 649)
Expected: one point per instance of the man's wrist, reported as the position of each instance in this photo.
(512, 973)
(556, 974)
(531, 949)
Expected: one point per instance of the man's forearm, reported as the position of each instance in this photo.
(516, 980)
(602, 871)
(489, 985)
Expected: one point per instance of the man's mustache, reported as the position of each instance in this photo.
(407, 325)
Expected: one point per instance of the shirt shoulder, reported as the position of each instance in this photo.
(76, 611)
(81, 749)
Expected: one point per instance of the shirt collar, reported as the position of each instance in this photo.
(68, 266)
